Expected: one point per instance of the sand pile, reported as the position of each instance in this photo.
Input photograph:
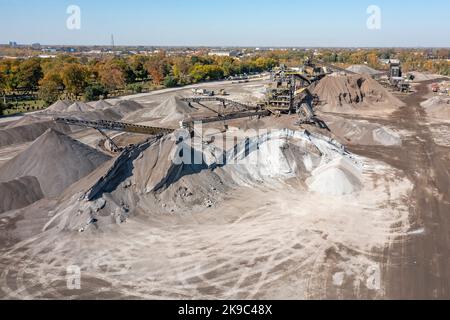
(56, 160)
(100, 105)
(79, 107)
(172, 110)
(363, 69)
(19, 193)
(438, 107)
(60, 106)
(21, 132)
(341, 92)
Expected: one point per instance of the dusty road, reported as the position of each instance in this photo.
(416, 266)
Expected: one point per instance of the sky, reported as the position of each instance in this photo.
(248, 23)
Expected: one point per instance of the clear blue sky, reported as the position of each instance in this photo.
(227, 22)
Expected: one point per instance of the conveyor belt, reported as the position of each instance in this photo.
(222, 100)
(115, 126)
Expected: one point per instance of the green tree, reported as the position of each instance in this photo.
(170, 81)
(137, 65)
(95, 92)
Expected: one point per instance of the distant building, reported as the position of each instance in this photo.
(36, 46)
(46, 56)
(224, 53)
(389, 61)
(13, 44)
(51, 50)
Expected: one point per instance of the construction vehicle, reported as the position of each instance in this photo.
(396, 79)
(203, 92)
(222, 92)
(435, 87)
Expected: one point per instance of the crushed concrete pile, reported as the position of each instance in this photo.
(424, 76)
(363, 69)
(56, 160)
(172, 110)
(106, 114)
(438, 107)
(125, 107)
(23, 121)
(79, 107)
(359, 132)
(19, 193)
(354, 91)
(28, 130)
(60, 106)
(160, 176)
(100, 105)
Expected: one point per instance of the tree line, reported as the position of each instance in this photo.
(75, 77)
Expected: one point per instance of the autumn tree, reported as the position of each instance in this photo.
(206, 72)
(9, 69)
(29, 73)
(158, 68)
(2, 87)
(180, 70)
(372, 60)
(51, 87)
(75, 78)
(111, 76)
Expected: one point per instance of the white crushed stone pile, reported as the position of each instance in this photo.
(338, 178)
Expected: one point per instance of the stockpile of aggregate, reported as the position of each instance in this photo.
(354, 91)
(19, 193)
(56, 160)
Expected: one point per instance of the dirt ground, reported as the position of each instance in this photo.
(416, 266)
(275, 240)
